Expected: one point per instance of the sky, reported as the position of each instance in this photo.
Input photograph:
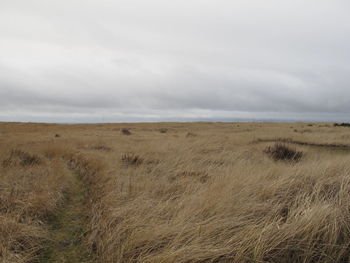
(184, 60)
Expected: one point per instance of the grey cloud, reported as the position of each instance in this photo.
(156, 60)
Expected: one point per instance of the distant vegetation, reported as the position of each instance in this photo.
(342, 124)
(163, 130)
(125, 131)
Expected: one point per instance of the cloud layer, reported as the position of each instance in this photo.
(91, 61)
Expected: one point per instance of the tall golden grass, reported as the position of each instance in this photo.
(212, 197)
(31, 188)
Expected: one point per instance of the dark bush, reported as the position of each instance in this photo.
(163, 130)
(342, 124)
(57, 135)
(125, 131)
(281, 151)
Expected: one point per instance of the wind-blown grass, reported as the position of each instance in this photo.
(213, 197)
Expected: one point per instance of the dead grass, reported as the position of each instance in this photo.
(190, 134)
(101, 147)
(30, 191)
(157, 197)
(22, 158)
(131, 159)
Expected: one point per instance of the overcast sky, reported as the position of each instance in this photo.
(154, 60)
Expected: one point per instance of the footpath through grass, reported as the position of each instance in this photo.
(68, 226)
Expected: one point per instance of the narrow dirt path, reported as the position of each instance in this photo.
(68, 226)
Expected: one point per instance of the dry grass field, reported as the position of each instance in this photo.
(174, 192)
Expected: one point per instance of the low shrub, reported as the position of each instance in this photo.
(281, 151)
(163, 130)
(125, 131)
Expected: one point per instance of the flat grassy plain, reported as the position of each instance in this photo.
(174, 192)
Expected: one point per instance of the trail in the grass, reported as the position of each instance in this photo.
(68, 226)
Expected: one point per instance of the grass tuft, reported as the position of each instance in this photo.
(191, 134)
(281, 151)
(22, 158)
(125, 131)
(131, 159)
(163, 130)
(101, 147)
